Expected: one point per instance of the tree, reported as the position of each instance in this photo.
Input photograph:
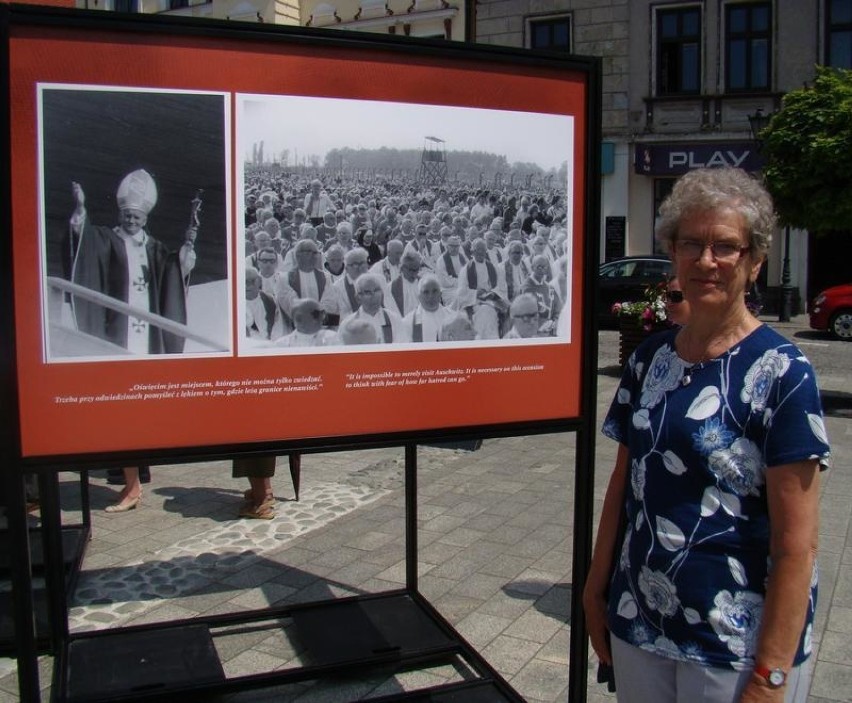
(807, 146)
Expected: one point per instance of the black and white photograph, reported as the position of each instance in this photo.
(135, 225)
(370, 225)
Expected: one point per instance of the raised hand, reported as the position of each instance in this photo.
(187, 257)
(79, 197)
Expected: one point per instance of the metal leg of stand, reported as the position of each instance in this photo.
(85, 502)
(23, 601)
(411, 517)
(584, 493)
(54, 562)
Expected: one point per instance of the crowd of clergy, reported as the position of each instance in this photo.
(331, 263)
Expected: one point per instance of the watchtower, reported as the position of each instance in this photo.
(433, 162)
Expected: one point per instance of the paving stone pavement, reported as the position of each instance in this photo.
(495, 549)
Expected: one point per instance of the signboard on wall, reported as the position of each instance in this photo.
(676, 158)
(101, 111)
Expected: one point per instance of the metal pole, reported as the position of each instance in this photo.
(411, 517)
(54, 562)
(584, 497)
(23, 598)
(786, 309)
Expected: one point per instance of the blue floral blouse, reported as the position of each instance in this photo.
(691, 577)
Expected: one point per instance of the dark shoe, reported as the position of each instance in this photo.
(115, 477)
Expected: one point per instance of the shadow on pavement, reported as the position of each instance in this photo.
(208, 573)
(836, 403)
(195, 502)
(614, 371)
(553, 599)
(813, 336)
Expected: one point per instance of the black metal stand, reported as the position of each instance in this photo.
(390, 632)
(23, 598)
(41, 543)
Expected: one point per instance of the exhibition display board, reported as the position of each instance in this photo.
(190, 108)
(182, 120)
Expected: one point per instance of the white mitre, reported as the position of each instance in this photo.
(137, 191)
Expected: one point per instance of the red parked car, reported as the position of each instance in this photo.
(831, 311)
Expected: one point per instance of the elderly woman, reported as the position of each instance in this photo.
(709, 593)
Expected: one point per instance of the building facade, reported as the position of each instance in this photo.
(680, 80)
(442, 19)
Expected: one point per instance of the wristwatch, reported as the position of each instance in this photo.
(775, 678)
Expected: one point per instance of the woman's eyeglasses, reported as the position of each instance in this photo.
(674, 296)
(720, 251)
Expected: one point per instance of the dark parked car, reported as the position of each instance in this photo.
(625, 279)
(831, 311)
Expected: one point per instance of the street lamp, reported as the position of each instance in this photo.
(757, 123)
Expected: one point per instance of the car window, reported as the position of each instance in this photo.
(607, 271)
(620, 269)
(656, 269)
(636, 268)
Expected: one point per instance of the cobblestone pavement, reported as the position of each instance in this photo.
(495, 549)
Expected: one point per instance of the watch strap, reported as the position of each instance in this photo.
(775, 678)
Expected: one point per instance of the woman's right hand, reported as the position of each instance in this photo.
(600, 570)
(595, 607)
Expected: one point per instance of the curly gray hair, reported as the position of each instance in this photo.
(713, 188)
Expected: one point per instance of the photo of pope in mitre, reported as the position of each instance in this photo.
(127, 263)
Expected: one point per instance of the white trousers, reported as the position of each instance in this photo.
(642, 677)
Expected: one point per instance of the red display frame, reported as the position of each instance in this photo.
(496, 386)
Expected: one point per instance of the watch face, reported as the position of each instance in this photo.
(777, 677)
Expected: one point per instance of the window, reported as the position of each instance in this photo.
(839, 33)
(679, 51)
(553, 33)
(619, 269)
(748, 46)
(656, 270)
(125, 6)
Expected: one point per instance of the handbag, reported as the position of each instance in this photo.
(606, 674)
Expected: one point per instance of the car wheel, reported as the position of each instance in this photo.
(841, 325)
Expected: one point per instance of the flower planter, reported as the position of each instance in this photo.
(635, 315)
(631, 335)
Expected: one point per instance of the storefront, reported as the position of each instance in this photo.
(657, 165)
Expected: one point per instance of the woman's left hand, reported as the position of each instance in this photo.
(755, 692)
(595, 606)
